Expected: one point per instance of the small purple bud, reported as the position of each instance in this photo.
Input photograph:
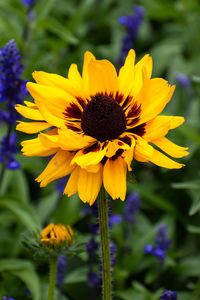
(13, 165)
(169, 295)
(148, 249)
(114, 219)
(183, 80)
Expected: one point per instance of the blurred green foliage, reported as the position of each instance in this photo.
(58, 34)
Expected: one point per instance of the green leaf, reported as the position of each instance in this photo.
(46, 206)
(195, 207)
(43, 8)
(57, 28)
(24, 212)
(68, 211)
(187, 185)
(20, 186)
(7, 179)
(193, 229)
(189, 267)
(76, 276)
(162, 54)
(196, 78)
(25, 271)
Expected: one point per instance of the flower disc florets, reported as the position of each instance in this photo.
(103, 118)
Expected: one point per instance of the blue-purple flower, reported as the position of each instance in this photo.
(61, 183)
(92, 246)
(169, 295)
(183, 80)
(132, 207)
(12, 87)
(132, 25)
(162, 244)
(113, 251)
(12, 90)
(93, 279)
(5, 298)
(114, 219)
(7, 150)
(162, 241)
(28, 2)
(61, 268)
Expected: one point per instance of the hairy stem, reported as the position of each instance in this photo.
(52, 276)
(105, 244)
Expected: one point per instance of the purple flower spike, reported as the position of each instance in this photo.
(169, 295)
(162, 241)
(132, 207)
(162, 244)
(92, 246)
(61, 268)
(28, 2)
(132, 24)
(12, 90)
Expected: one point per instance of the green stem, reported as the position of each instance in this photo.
(52, 276)
(105, 245)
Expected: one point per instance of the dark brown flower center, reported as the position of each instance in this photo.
(103, 118)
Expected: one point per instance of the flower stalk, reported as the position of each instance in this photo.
(105, 248)
(52, 276)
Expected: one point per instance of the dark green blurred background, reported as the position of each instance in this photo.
(57, 35)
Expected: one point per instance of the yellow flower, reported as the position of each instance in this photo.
(56, 234)
(101, 121)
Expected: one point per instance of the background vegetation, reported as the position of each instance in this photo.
(55, 35)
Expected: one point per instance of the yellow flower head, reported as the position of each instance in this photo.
(101, 121)
(56, 234)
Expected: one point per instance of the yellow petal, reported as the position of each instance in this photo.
(50, 141)
(176, 121)
(114, 178)
(170, 148)
(70, 230)
(29, 112)
(30, 104)
(145, 62)
(34, 147)
(59, 166)
(75, 77)
(163, 161)
(153, 97)
(72, 184)
(128, 157)
(54, 99)
(46, 230)
(88, 56)
(55, 80)
(126, 74)
(115, 145)
(93, 168)
(91, 156)
(142, 151)
(67, 140)
(89, 185)
(49, 117)
(159, 126)
(102, 77)
(32, 127)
